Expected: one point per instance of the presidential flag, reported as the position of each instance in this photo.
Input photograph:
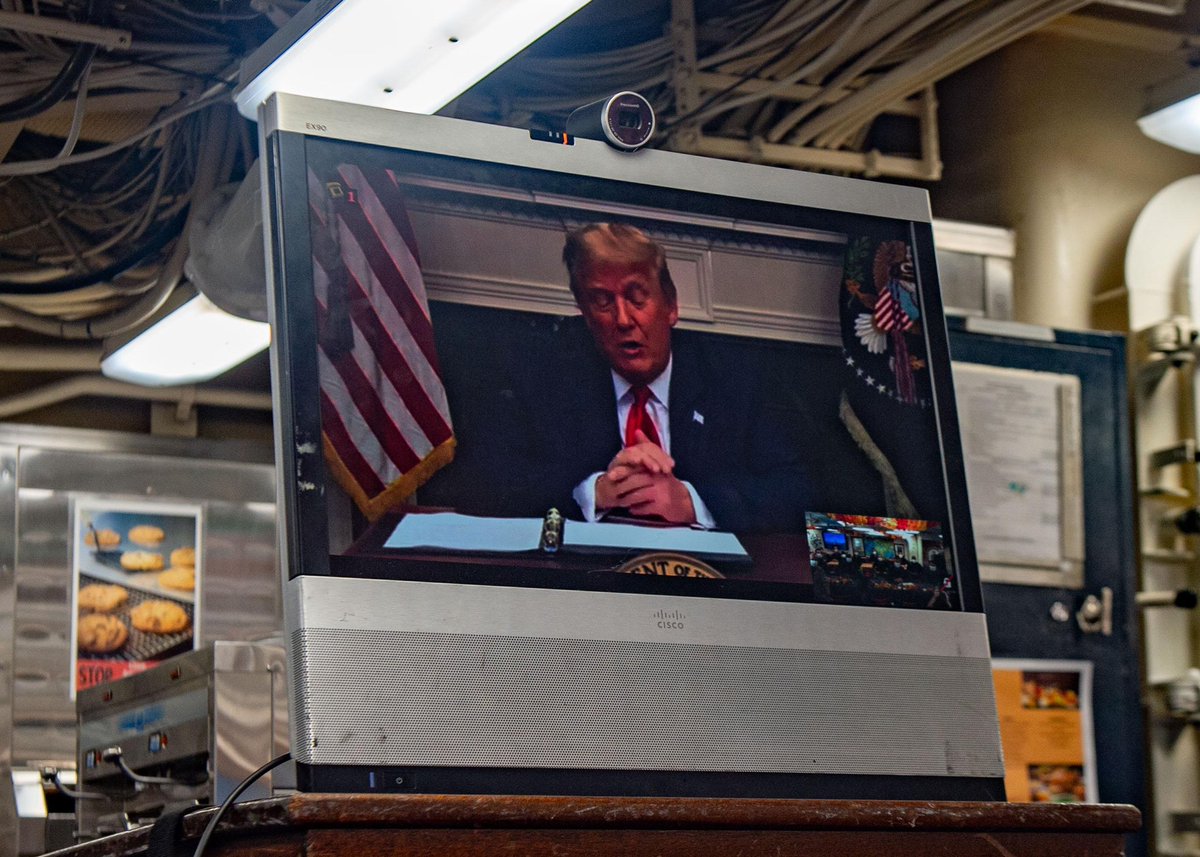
(384, 416)
(880, 314)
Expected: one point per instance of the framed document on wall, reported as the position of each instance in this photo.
(1023, 451)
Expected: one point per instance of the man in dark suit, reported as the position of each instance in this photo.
(624, 290)
(629, 418)
(559, 425)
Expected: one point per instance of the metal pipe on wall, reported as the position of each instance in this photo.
(92, 385)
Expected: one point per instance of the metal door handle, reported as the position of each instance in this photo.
(1095, 614)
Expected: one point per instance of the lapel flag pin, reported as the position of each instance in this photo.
(697, 417)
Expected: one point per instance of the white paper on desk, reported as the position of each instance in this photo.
(579, 534)
(451, 531)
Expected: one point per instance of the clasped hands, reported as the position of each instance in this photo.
(641, 478)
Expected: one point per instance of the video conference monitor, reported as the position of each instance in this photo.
(614, 473)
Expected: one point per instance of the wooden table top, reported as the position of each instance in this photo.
(455, 824)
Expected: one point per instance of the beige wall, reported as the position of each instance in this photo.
(1042, 138)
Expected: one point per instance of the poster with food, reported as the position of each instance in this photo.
(1045, 710)
(137, 569)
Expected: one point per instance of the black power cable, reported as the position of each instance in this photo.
(234, 795)
(55, 91)
(137, 257)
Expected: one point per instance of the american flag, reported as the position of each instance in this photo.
(384, 417)
(888, 315)
(896, 322)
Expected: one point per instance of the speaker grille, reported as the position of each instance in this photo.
(406, 698)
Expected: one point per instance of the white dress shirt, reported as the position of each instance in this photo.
(658, 408)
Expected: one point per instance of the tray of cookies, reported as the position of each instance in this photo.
(122, 623)
(146, 557)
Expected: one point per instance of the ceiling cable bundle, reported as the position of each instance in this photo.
(122, 120)
(800, 73)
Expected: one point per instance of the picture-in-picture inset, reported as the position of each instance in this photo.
(879, 562)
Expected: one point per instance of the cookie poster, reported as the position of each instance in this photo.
(137, 570)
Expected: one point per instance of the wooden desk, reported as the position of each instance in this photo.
(315, 825)
(776, 558)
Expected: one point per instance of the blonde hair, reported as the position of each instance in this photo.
(612, 243)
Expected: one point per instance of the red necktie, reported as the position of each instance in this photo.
(639, 418)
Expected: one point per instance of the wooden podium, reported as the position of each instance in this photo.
(320, 825)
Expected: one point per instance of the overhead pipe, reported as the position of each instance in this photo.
(50, 358)
(92, 385)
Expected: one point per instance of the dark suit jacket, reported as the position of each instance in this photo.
(547, 430)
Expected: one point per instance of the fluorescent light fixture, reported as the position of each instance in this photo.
(399, 54)
(1173, 114)
(193, 343)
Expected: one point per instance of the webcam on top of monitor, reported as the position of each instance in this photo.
(625, 121)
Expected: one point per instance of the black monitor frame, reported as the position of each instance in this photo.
(592, 170)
